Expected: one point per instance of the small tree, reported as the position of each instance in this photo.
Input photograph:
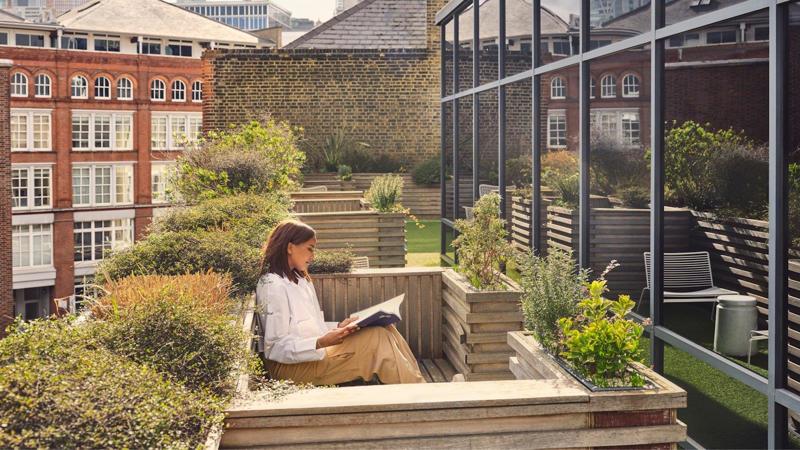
(482, 245)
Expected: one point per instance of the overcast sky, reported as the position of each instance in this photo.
(309, 9)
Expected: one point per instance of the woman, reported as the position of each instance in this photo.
(298, 344)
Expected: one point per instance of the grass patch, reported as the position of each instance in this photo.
(425, 240)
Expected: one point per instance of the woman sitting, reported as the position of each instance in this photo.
(297, 342)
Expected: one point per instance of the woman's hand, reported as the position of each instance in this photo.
(336, 336)
(347, 322)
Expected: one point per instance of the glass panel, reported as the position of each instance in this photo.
(448, 59)
(559, 125)
(685, 10)
(465, 163)
(518, 131)
(560, 30)
(519, 22)
(716, 174)
(448, 159)
(465, 30)
(793, 144)
(620, 172)
(449, 236)
(489, 14)
(615, 20)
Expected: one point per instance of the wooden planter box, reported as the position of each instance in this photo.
(333, 201)
(621, 410)
(475, 327)
(379, 236)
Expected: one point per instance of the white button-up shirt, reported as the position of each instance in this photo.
(291, 318)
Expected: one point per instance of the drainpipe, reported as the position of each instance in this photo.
(59, 34)
(743, 28)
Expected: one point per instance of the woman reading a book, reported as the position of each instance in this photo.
(298, 344)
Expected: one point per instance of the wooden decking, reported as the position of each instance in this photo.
(437, 370)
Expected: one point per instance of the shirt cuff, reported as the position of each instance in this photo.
(308, 346)
(332, 325)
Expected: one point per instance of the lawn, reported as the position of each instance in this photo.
(423, 243)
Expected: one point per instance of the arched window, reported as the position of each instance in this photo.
(630, 86)
(197, 91)
(608, 86)
(157, 90)
(79, 87)
(558, 88)
(42, 85)
(178, 91)
(124, 89)
(19, 85)
(102, 88)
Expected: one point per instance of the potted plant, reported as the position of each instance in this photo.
(481, 304)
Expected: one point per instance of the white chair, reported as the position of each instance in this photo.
(484, 189)
(468, 212)
(314, 189)
(687, 279)
(755, 336)
(360, 262)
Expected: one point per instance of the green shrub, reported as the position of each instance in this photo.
(60, 390)
(518, 171)
(719, 171)
(551, 289)
(335, 147)
(249, 217)
(344, 173)
(256, 157)
(634, 197)
(427, 173)
(182, 252)
(599, 346)
(331, 261)
(566, 187)
(383, 163)
(615, 166)
(482, 245)
(384, 193)
(794, 205)
(163, 327)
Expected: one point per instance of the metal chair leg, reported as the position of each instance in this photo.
(639, 303)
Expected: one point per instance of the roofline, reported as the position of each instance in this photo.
(7, 13)
(448, 10)
(314, 32)
(29, 25)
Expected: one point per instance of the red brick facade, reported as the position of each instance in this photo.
(6, 298)
(61, 66)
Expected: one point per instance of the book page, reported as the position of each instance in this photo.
(391, 306)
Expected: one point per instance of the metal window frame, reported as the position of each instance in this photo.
(780, 399)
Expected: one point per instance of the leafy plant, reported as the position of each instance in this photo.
(551, 287)
(384, 193)
(615, 166)
(344, 172)
(334, 149)
(794, 204)
(331, 261)
(567, 187)
(600, 343)
(482, 244)
(518, 171)
(427, 173)
(256, 157)
(634, 196)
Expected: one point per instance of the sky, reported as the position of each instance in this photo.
(309, 9)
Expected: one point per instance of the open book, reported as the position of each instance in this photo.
(382, 314)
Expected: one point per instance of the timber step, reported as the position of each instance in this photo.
(436, 370)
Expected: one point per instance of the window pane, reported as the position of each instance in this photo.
(19, 131)
(489, 44)
(124, 132)
(465, 30)
(41, 131)
(81, 184)
(448, 56)
(102, 184)
(41, 187)
(158, 133)
(102, 132)
(19, 188)
(124, 184)
(80, 131)
(680, 11)
(560, 29)
(615, 20)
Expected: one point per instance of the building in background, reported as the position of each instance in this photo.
(101, 103)
(246, 15)
(40, 11)
(342, 5)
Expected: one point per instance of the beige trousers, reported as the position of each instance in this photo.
(380, 351)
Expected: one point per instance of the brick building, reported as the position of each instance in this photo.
(6, 292)
(373, 70)
(100, 105)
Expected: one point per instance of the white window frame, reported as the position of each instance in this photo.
(617, 116)
(552, 114)
(172, 141)
(106, 87)
(29, 115)
(46, 249)
(125, 225)
(612, 86)
(197, 91)
(178, 87)
(17, 34)
(558, 88)
(30, 181)
(631, 81)
(128, 88)
(75, 86)
(158, 190)
(157, 85)
(592, 87)
(116, 118)
(19, 85)
(93, 168)
(46, 87)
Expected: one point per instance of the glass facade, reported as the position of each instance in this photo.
(649, 133)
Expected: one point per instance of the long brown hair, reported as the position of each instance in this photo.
(275, 254)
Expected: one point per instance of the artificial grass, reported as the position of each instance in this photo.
(423, 240)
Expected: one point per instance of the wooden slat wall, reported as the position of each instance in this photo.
(423, 201)
(521, 223)
(621, 234)
(344, 294)
(379, 236)
(328, 205)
